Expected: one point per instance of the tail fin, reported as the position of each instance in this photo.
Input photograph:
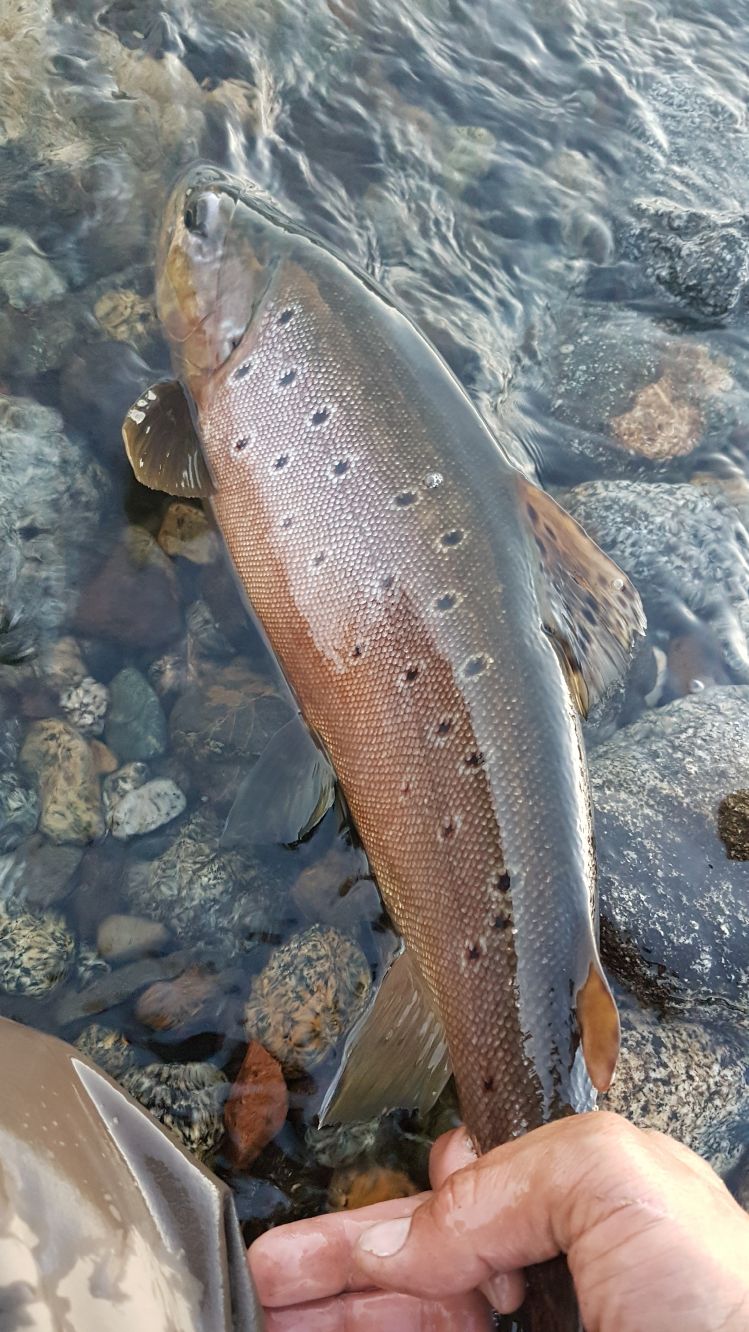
(550, 1304)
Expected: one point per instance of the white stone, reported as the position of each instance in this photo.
(147, 808)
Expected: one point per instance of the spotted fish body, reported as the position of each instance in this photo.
(413, 586)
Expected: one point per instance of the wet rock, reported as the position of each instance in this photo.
(338, 1145)
(136, 726)
(90, 967)
(336, 891)
(100, 415)
(85, 705)
(228, 719)
(126, 316)
(60, 760)
(27, 277)
(699, 256)
(120, 938)
(188, 1099)
(187, 532)
(105, 762)
(130, 777)
(353, 1187)
(207, 644)
(307, 997)
(675, 909)
(150, 807)
(169, 1004)
(686, 550)
(733, 824)
(52, 497)
(684, 1078)
(204, 893)
(257, 1106)
(469, 154)
(114, 987)
(133, 599)
(109, 1049)
(45, 871)
(62, 664)
(665, 420)
(169, 675)
(36, 952)
(19, 811)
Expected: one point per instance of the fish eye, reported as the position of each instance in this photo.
(199, 214)
(189, 218)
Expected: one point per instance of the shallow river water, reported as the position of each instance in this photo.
(558, 194)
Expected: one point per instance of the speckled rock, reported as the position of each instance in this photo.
(353, 1187)
(120, 938)
(149, 807)
(169, 675)
(207, 644)
(60, 760)
(675, 908)
(133, 599)
(307, 997)
(19, 811)
(685, 549)
(126, 316)
(62, 664)
(339, 1145)
(136, 726)
(91, 969)
(36, 953)
(699, 256)
(733, 824)
(206, 894)
(27, 277)
(85, 705)
(52, 498)
(187, 532)
(186, 1098)
(109, 1049)
(130, 777)
(684, 1078)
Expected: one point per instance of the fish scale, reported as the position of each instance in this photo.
(425, 603)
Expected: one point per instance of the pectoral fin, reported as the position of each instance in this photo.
(285, 794)
(591, 610)
(162, 443)
(395, 1055)
(598, 1020)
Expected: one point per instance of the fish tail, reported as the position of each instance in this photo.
(550, 1303)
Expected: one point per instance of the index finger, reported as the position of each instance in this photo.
(311, 1259)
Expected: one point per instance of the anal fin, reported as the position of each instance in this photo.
(395, 1056)
(162, 443)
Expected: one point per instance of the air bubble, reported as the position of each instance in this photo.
(433, 479)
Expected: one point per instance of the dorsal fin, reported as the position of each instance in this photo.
(591, 610)
(162, 444)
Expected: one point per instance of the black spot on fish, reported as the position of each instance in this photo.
(541, 547)
(447, 830)
(287, 378)
(406, 788)
(502, 882)
(474, 759)
(475, 666)
(243, 370)
(489, 1084)
(445, 726)
(388, 582)
(532, 513)
(446, 602)
(357, 650)
(473, 953)
(241, 444)
(281, 461)
(285, 316)
(341, 468)
(500, 923)
(452, 538)
(287, 522)
(319, 416)
(318, 559)
(406, 498)
(411, 674)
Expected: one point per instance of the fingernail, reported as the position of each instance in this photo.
(386, 1239)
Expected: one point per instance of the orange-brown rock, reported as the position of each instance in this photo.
(168, 1004)
(354, 1187)
(257, 1106)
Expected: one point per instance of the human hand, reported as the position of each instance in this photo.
(652, 1237)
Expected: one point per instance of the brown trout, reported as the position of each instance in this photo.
(442, 624)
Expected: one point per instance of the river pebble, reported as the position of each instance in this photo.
(257, 1106)
(133, 599)
(85, 705)
(45, 871)
(36, 953)
(108, 1048)
(60, 760)
(149, 807)
(116, 785)
(307, 997)
(188, 1099)
(19, 811)
(355, 1186)
(120, 938)
(27, 277)
(186, 531)
(136, 726)
(168, 1004)
(107, 989)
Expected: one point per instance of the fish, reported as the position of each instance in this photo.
(443, 625)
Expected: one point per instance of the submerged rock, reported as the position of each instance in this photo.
(120, 938)
(61, 761)
(685, 549)
(149, 807)
(104, 989)
(27, 278)
(257, 1106)
(674, 907)
(19, 811)
(44, 871)
(186, 531)
(174, 1003)
(126, 316)
(133, 599)
(356, 1186)
(36, 952)
(186, 1098)
(109, 1049)
(85, 705)
(136, 726)
(228, 719)
(699, 256)
(307, 997)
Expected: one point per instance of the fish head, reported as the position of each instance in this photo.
(217, 252)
